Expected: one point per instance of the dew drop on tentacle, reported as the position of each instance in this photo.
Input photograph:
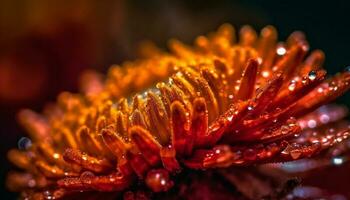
(158, 180)
(338, 160)
(265, 74)
(222, 156)
(347, 69)
(281, 50)
(24, 143)
(312, 75)
(87, 174)
(250, 154)
(48, 195)
(295, 153)
(292, 85)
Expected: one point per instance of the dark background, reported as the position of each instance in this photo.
(44, 45)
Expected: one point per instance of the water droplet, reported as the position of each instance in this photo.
(295, 145)
(179, 74)
(84, 157)
(265, 74)
(237, 87)
(229, 118)
(163, 182)
(347, 69)
(187, 125)
(31, 183)
(171, 81)
(284, 129)
(312, 75)
(291, 122)
(215, 127)
(47, 195)
(292, 86)
(311, 123)
(56, 155)
(324, 118)
(281, 51)
(87, 174)
(337, 161)
(250, 108)
(315, 141)
(158, 180)
(324, 140)
(295, 153)
(260, 60)
(249, 154)
(237, 155)
(24, 143)
(287, 150)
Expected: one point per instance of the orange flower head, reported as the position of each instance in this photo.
(224, 102)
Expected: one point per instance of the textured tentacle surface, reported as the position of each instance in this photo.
(217, 104)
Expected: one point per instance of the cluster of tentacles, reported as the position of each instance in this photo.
(223, 102)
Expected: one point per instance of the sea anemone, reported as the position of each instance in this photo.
(223, 106)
